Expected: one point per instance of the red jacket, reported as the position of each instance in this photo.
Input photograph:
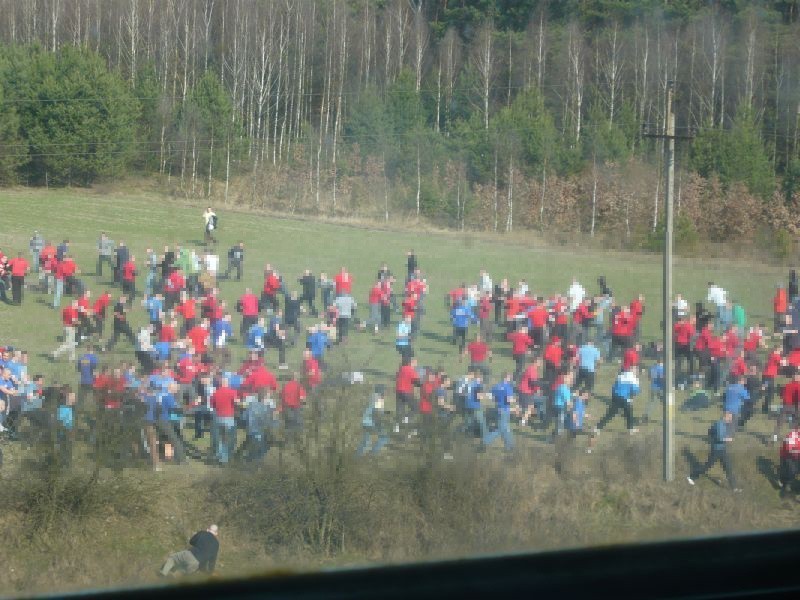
(69, 316)
(223, 401)
(630, 359)
(554, 354)
(790, 448)
(344, 283)
(791, 393)
(406, 377)
(249, 305)
(259, 379)
(312, 372)
(292, 394)
(773, 365)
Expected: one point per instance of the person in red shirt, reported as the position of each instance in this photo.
(343, 282)
(188, 310)
(69, 270)
(637, 311)
(738, 366)
(99, 310)
(553, 359)
(405, 380)
(168, 332)
(374, 301)
(269, 293)
(259, 379)
(386, 301)
(520, 347)
(173, 286)
(129, 274)
(479, 356)
(752, 342)
(583, 318)
(223, 402)
(683, 332)
(199, 336)
(486, 323)
(187, 371)
(70, 319)
(427, 392)
(780, 305)
(528, 388)
(247, 305)
(631, 359)
(621, 330)
(19, 268)
(789, 460)
(717, 354)
(791, 404)
(293, 395)
(538, 317)
(311, 370)
(771, 370)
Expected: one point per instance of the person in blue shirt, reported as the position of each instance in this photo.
(162, 350)
(588, 357)
(166, 423)
(403, 339)
(577, 413)
(86, 366)
(374, 422)
(221, 332)
(736, 395)
(473, 409)
(255, 336)
(625, 388)
(460, 317)
(318, 342)
(503, 395)
(657, 387)
(720, 436)
(562, 402)
(65, 421)
(155, 309)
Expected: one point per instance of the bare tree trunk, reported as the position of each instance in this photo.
(385, 190)
(544, 187)
(494, 204)
(210, 162)
(510, 197)
(419, 181)
(594, 194)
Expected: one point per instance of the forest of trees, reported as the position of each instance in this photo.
(473, 114)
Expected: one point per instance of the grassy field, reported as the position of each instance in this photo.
(618, 485)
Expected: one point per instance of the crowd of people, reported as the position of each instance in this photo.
(184, 377)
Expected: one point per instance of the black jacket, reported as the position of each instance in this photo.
(205, 545)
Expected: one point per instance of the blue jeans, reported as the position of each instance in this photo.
(226, 438)
(560, 416)
(59, 291)
(366, 442)
(503, 430)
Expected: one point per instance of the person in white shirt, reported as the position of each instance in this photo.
(522, 288)
(576, 294)
(210, 224)
(680, 307)
(485, 282)
(716, 295)
(211, 263)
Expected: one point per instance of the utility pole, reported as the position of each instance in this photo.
(669, 368)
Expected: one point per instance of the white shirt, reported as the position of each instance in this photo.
(523, 288)
(212, 263)
(681, 307)
(486, 283)
(576, 294)
(716, 295)
(207, 216)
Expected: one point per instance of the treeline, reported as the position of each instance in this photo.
(474, 113)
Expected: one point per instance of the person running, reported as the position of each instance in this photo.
(235, 261)
(588, 357)
(503, 395)
(209, 226)
(720, 436)
(201, 554)
(19, 267)
(121, 325)
(791, 404)
(625, 388)
(460, 317)
(308, 283)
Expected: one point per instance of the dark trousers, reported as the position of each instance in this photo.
(406, 352)
(519, 366)
(247, 323)
(717, 453)
(167, 430)
(584, 380)
(769, 392)
(17, 282)
(342, 328)
(386, 314)
(618, 404)
(121, 329)
(788, 471)
(460, 338)
(101, 259)
(233, 264)
(683, 352)
(309, 300)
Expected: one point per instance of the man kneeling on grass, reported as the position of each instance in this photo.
(201, 554)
